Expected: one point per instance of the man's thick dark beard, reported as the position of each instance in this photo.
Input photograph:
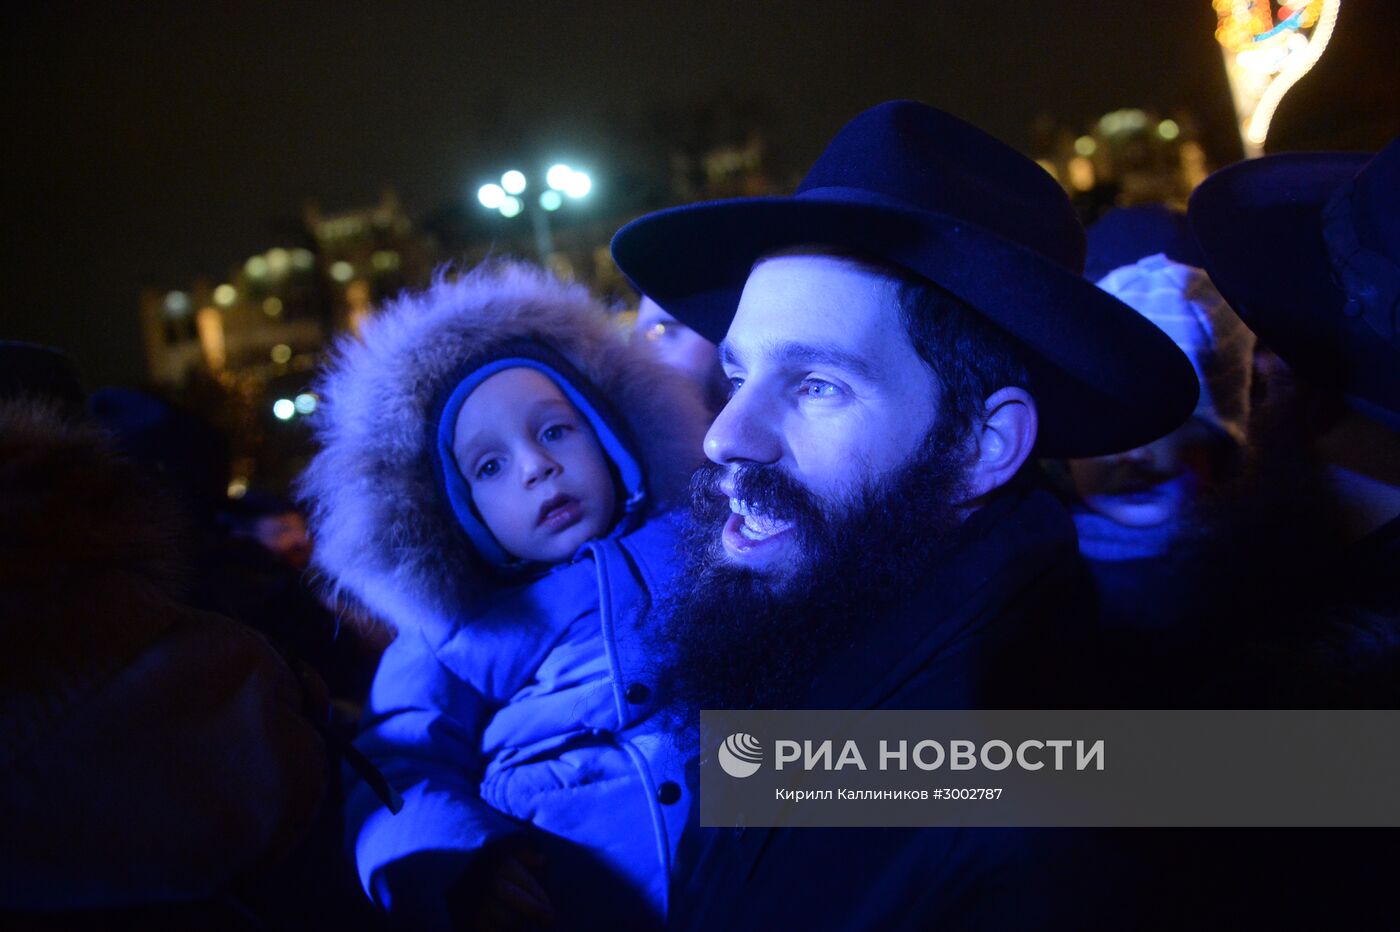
(734, 639)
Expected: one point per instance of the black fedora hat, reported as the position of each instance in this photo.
(920, 189)
(1306, 248)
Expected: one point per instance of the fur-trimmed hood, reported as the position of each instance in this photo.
(384, 532)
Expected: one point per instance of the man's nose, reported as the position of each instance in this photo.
(745, 431)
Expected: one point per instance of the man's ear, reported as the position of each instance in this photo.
(1002, 439)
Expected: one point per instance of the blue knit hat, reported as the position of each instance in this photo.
(529, 355)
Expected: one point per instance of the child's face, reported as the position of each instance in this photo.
(538, 476)
(1152, 484)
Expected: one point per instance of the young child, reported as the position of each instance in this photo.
(1148, 518)
(494, 464)
(1136, 504)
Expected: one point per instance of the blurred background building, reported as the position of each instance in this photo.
(242, 352)
(1125, 157)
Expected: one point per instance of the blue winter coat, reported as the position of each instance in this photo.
(504, 711)
(539, 712)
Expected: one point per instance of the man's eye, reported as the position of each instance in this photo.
(818, 388)
(735, 383)
(488, 469)
(554, 432)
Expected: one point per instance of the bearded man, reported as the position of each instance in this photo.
(902, 336)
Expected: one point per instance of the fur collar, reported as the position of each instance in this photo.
(384, 535)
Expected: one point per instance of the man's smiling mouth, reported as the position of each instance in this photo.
(752, 524)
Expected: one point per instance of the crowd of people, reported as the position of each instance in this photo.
(906, 439)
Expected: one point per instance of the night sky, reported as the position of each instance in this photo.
(147, 144)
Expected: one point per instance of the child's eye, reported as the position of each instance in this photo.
(554, 432)
(818, 388)
(488, 469)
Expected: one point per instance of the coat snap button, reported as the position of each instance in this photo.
(668, 793)
(637, 693)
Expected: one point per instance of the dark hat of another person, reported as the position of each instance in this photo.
(179, 448)
(917, 188)
(1124, 235)
(1306, 248)
(37, 371)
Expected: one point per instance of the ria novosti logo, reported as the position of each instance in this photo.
(740, 755)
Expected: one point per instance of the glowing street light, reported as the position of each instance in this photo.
(579, 185)
(558, 176)
(562, 181)
(492, 196)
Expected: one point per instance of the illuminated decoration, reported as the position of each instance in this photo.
(551, 200)
(342, 271)
(1268, 48)
(1168, 130)
(238, 487)
(1085, 145)
(272, 307)
(281, 353)
(256, 267)
(305, 403)
(284, 409)
(511, 207)
(302, 259)
(513, 182)
(225, 295)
